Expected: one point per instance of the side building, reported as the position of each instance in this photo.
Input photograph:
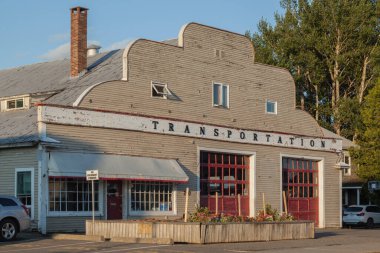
(154, 119)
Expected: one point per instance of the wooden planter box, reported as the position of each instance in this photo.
(192, 232)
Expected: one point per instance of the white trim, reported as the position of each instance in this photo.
(25, 103)
(31, 170)
(340, 200)
(84, 93)
(125, 59)
(219, 103)
(252, 172)
(266, 107)
(351, 187)
(321, 175)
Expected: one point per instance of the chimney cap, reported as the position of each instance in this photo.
(79, 7)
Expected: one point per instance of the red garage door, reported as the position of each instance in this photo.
(225, 175)
(300, 182)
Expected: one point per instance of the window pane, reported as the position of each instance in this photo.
(216, 94)
(11, 104)
(20, 103)
(225, 96)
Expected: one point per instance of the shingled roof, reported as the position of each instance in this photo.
(20, 127)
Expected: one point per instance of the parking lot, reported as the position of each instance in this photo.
(332, 240)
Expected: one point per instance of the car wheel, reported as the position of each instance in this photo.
(8, 230)
(370, 223)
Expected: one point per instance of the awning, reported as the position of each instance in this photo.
(66, 164)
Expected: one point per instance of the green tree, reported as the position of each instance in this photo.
(367, 155)
(329, 47)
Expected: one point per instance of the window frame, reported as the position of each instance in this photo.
(266, 106)
(99, 212)
(31, 206)
(160, 94)
(219, 103)
(173, 212)
(347, 171)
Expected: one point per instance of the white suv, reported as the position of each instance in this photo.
(368, 215)
(14, 218)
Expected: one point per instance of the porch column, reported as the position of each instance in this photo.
(358, 196)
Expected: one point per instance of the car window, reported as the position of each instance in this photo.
(370, 209)
(354, 209)
(377, 209)
(7, 202)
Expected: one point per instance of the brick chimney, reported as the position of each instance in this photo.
(78, 56)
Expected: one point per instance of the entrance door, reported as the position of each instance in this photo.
(225, 176)
(300, 182)
(114, 200)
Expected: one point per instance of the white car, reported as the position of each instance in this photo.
(14, 218)
(357, 215)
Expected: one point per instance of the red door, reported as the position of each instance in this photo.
(114, 200)
(300, 182)
(225, 176)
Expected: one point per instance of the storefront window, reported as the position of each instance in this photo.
(72, 194)
(151, 196)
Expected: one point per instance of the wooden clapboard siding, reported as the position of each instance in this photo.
(13, 158)
(267, 171)
(190, 72)
(203, 232)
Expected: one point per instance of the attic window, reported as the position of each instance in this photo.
(160, 90)
(15, 103)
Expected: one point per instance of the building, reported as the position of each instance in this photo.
(154, 119)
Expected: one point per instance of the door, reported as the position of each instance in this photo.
(225, 177)
(114, 200)
(300, 183)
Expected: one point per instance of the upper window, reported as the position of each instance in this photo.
(14, 103)
(347, 160)
(271, 107)
(220, 95)
(160, 90)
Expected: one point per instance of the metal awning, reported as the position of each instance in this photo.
(66, 164)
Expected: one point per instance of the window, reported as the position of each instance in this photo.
(271, 107)
(160, 90)
(347, 160)
(72, 194)
(15, 104)
(151, 197)
(220, 95)
(7, 202)
(24, 186)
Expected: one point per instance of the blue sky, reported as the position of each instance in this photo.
(39, 30)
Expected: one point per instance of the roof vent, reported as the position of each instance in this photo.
(93, 50)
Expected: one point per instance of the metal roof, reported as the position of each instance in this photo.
(21, 126)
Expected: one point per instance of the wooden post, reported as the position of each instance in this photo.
(265, 211)
(239, 204)
(216, 203)
(186, 202)
(285, 203)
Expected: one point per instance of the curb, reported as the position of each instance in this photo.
(95, 238)
(164, 241)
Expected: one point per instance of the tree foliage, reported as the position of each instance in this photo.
(367, 155)
(330, 48)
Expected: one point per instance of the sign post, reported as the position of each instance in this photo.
(92, 175)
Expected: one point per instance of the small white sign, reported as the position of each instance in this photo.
(92, 175)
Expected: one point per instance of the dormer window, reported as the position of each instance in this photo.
(160, 90)
(347, 160)
(14, 103)
(220, 96)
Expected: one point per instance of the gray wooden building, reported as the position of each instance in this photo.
(158, 117)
